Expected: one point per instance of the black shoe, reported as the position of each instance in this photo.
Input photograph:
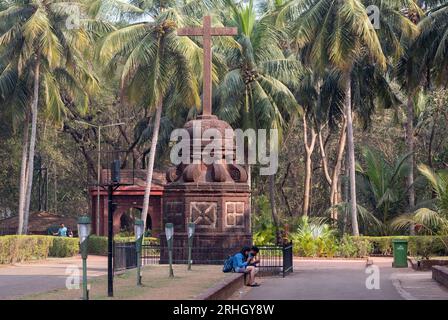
(254, 285)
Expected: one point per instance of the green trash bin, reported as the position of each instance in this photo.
(400, 247)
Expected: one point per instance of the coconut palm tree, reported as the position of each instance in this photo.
(382, 184)
(47, 52)
(167, 66)
(423, 60)
(336, 34)
(253, 93)
(432, 42)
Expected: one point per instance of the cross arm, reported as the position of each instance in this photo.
(190, 31)
(224, 31)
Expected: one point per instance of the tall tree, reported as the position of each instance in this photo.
(45, 48)
(157, 59)
(335, 34)
(423, 62)
(253, 93)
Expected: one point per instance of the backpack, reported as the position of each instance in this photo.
(228, 264)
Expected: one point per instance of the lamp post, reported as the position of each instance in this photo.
(191, 228)
(99, 167)
(138, 231)
(84, 227)
(169, 232)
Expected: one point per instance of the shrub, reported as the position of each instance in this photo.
(19, 248)
(423, 246)
(347, 247)
(314, 238)
(363, 247)
(64, 247)
(98, 244)
(304, 245)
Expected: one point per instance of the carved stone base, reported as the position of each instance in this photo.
(213, 196)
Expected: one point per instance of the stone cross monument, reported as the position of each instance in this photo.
(213, 196)
(207, 32)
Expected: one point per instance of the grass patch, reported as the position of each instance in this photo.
(156, 284)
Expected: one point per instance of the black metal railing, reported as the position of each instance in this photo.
(150, 254)
(274, 260)
(271, 260)
(155, 254)
(125, 256)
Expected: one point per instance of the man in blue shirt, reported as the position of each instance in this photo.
(62, 232)
(241, 263)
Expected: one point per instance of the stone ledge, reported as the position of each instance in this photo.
(224, 289)
(426, 264)
(440, 274)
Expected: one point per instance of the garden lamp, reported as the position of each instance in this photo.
(169, 232)
(84, 227)
(191, 228)
(138, 231)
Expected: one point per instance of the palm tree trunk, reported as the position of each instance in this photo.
(23, 173)
(150, 166)
(32, 144)
(309, 148)
(346, 193)
(410, 145)
(351, 156)
(323, 155)
(273, 207)
(335, 194)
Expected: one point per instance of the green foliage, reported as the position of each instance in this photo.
(262, 225)
(37, 31)
(253, 92)
(64, 247)
(98, 245)
(23, 248)
(314, 237)
(382, 185)
(347, 247)
(431, 216)
(420, 246)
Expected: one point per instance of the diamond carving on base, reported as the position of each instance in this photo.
(203, 214)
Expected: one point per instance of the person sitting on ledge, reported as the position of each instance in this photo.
(241, 263)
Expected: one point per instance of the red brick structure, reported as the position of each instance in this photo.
(129, 197)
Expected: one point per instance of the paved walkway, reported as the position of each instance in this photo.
(312, 279)
(41, 276)
(345, 280)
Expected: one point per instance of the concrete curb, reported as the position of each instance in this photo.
(224, 289)
(440, 274)
(396, 282)
(426, 265)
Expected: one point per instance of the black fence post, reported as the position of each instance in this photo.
(288, 259)
(110, 241)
